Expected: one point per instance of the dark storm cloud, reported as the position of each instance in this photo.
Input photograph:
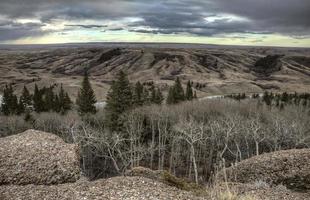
(282, 16)
(12, 30)
(287, 17)
(87, 26)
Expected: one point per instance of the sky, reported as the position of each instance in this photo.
(229, 22)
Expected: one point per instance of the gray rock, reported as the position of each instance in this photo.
(116, 188)
(290, 168)
(35, 157)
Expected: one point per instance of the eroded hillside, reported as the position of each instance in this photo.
(220, 70)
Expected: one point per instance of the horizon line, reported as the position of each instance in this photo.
(151, 43)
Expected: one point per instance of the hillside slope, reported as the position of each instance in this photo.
(219, 70)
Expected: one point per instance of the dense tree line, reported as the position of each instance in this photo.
(267, 64)
(176, 92)
(42, 100)
(123, 97)
(276, 99)
(238, 97)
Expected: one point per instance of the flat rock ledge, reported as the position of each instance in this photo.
(36, 157)
(290, 168)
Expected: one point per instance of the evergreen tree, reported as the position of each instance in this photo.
(86, 98)
(64, 101)
(28, 117)
(146, 96)
(178, 91)
(14, 105)
(6, 99)
(170, 97)
(9, 103)
(49, 99)
(267, 98)
(138, 99)
(152, 95)
(20, 107)
(119, 100)
(189, 92)
(26, 98)
(158, 97)
(285, 97)
(38, 102)
(57, 104)
(66, 104)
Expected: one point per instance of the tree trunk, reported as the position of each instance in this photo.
(194, 163)
(257, 147)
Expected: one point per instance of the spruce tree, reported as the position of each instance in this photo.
(119, 100)
(138, 99)
(146, 96)
(152, 95)
(49, 99)
(64, 101)
(14, 104)
(57, 105)
(189, 92)
(170, 97)
(178, 91)
(67, 102)
(26, 98)
(5, 105)
(38, 102)
(267, 98)
(20, 107)
(158, 97)
(86, 98)
(9, 105)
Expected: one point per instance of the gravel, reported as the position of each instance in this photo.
(116, 188)
(268, 192)
(290, 168)
(35, 157)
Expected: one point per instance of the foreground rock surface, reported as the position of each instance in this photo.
(114, 188)
(265, 192)
(290, 168)
(35, 165)
(35, 157)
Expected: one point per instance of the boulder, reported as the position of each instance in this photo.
(35, 157)
(290, 168)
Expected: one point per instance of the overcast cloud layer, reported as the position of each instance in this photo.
(30, 18)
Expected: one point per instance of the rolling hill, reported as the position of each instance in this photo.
(213, 69)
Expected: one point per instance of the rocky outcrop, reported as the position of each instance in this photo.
(37, 165)
(123, 188)
(35, 157)
(290, 168)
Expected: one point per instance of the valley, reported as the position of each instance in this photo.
(214, 70)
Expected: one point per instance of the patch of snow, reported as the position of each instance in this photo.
(212, 97)
(100, 104)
